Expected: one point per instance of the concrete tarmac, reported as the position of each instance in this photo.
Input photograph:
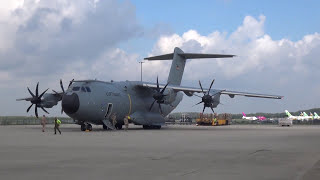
(174, 152)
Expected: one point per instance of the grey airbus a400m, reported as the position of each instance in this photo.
(93, 101)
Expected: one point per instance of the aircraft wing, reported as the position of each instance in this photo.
(233, 93)
(190, 90)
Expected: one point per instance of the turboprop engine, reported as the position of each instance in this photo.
(170, 96)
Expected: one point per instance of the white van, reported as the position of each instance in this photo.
(285, 122)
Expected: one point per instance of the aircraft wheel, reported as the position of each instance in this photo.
(151, 127)
(83, 127)
(89, 127)
(105, 127)
(118, 126)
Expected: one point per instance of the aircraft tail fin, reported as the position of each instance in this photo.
(287, 112)
(243, 114)
(315, 114)
(305, 114)
(179, 60)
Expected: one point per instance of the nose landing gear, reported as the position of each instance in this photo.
(85, 127)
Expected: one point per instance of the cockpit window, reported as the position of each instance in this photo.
(88, 89)
(75, 88)
(83, 89)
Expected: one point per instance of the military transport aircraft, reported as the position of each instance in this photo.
(92, 101)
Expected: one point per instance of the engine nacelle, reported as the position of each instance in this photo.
(49, 100)
(216, 100)
(170, 96)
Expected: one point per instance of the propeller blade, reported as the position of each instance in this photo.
(152, 105)
(45, 110)
(36, 110)
(158, 89)
(164, 88)
(203, 109)
(201, 87)
(43, 93)
(31, 92)
(70, 83)
(29, 107)
(198, 103)
(211, 86)
(160, 108)
(212, 109)
(61, 85)
(37, 89)
(55, 91)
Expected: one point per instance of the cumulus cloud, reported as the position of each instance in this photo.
(262, 63)
(255, 49)
(35, 33)
(45, 40)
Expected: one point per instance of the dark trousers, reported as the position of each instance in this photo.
(55, 129)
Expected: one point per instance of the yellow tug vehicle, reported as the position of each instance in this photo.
(214, 119)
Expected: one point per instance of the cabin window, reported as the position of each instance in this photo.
(88, 89)
(83, 89)
(76, 88)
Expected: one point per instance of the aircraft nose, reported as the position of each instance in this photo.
(70, 103)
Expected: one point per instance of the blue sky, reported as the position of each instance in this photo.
(286, 18)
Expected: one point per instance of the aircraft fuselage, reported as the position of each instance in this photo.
(93, 101)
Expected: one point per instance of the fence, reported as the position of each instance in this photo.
(21, 120)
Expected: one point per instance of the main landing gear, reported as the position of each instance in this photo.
(85, 127)
(118, 126)
(151, 127)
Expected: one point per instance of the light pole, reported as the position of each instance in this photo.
(141, 68)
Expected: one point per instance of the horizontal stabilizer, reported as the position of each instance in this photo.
(189, 56)
(161, 57)
(201, 56)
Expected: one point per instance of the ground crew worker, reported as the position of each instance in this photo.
(126, 122)
(57, 123)
(215, 121)
(43, 123)
(114, 119)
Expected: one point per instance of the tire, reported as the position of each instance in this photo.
(151, 127)
(89, 127)
(105, 127)
(146, 127)
(83, 127)
(118, 126)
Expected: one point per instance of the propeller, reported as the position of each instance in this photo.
(159, 96)
(63, 92)
(206, 99)
(36, 99)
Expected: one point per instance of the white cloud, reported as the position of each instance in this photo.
(43, 41)
(262, 64)
(255, 49)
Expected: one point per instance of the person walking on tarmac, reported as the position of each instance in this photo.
(114, 119)
(43, 123)
(126, 122)
(57, 123)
